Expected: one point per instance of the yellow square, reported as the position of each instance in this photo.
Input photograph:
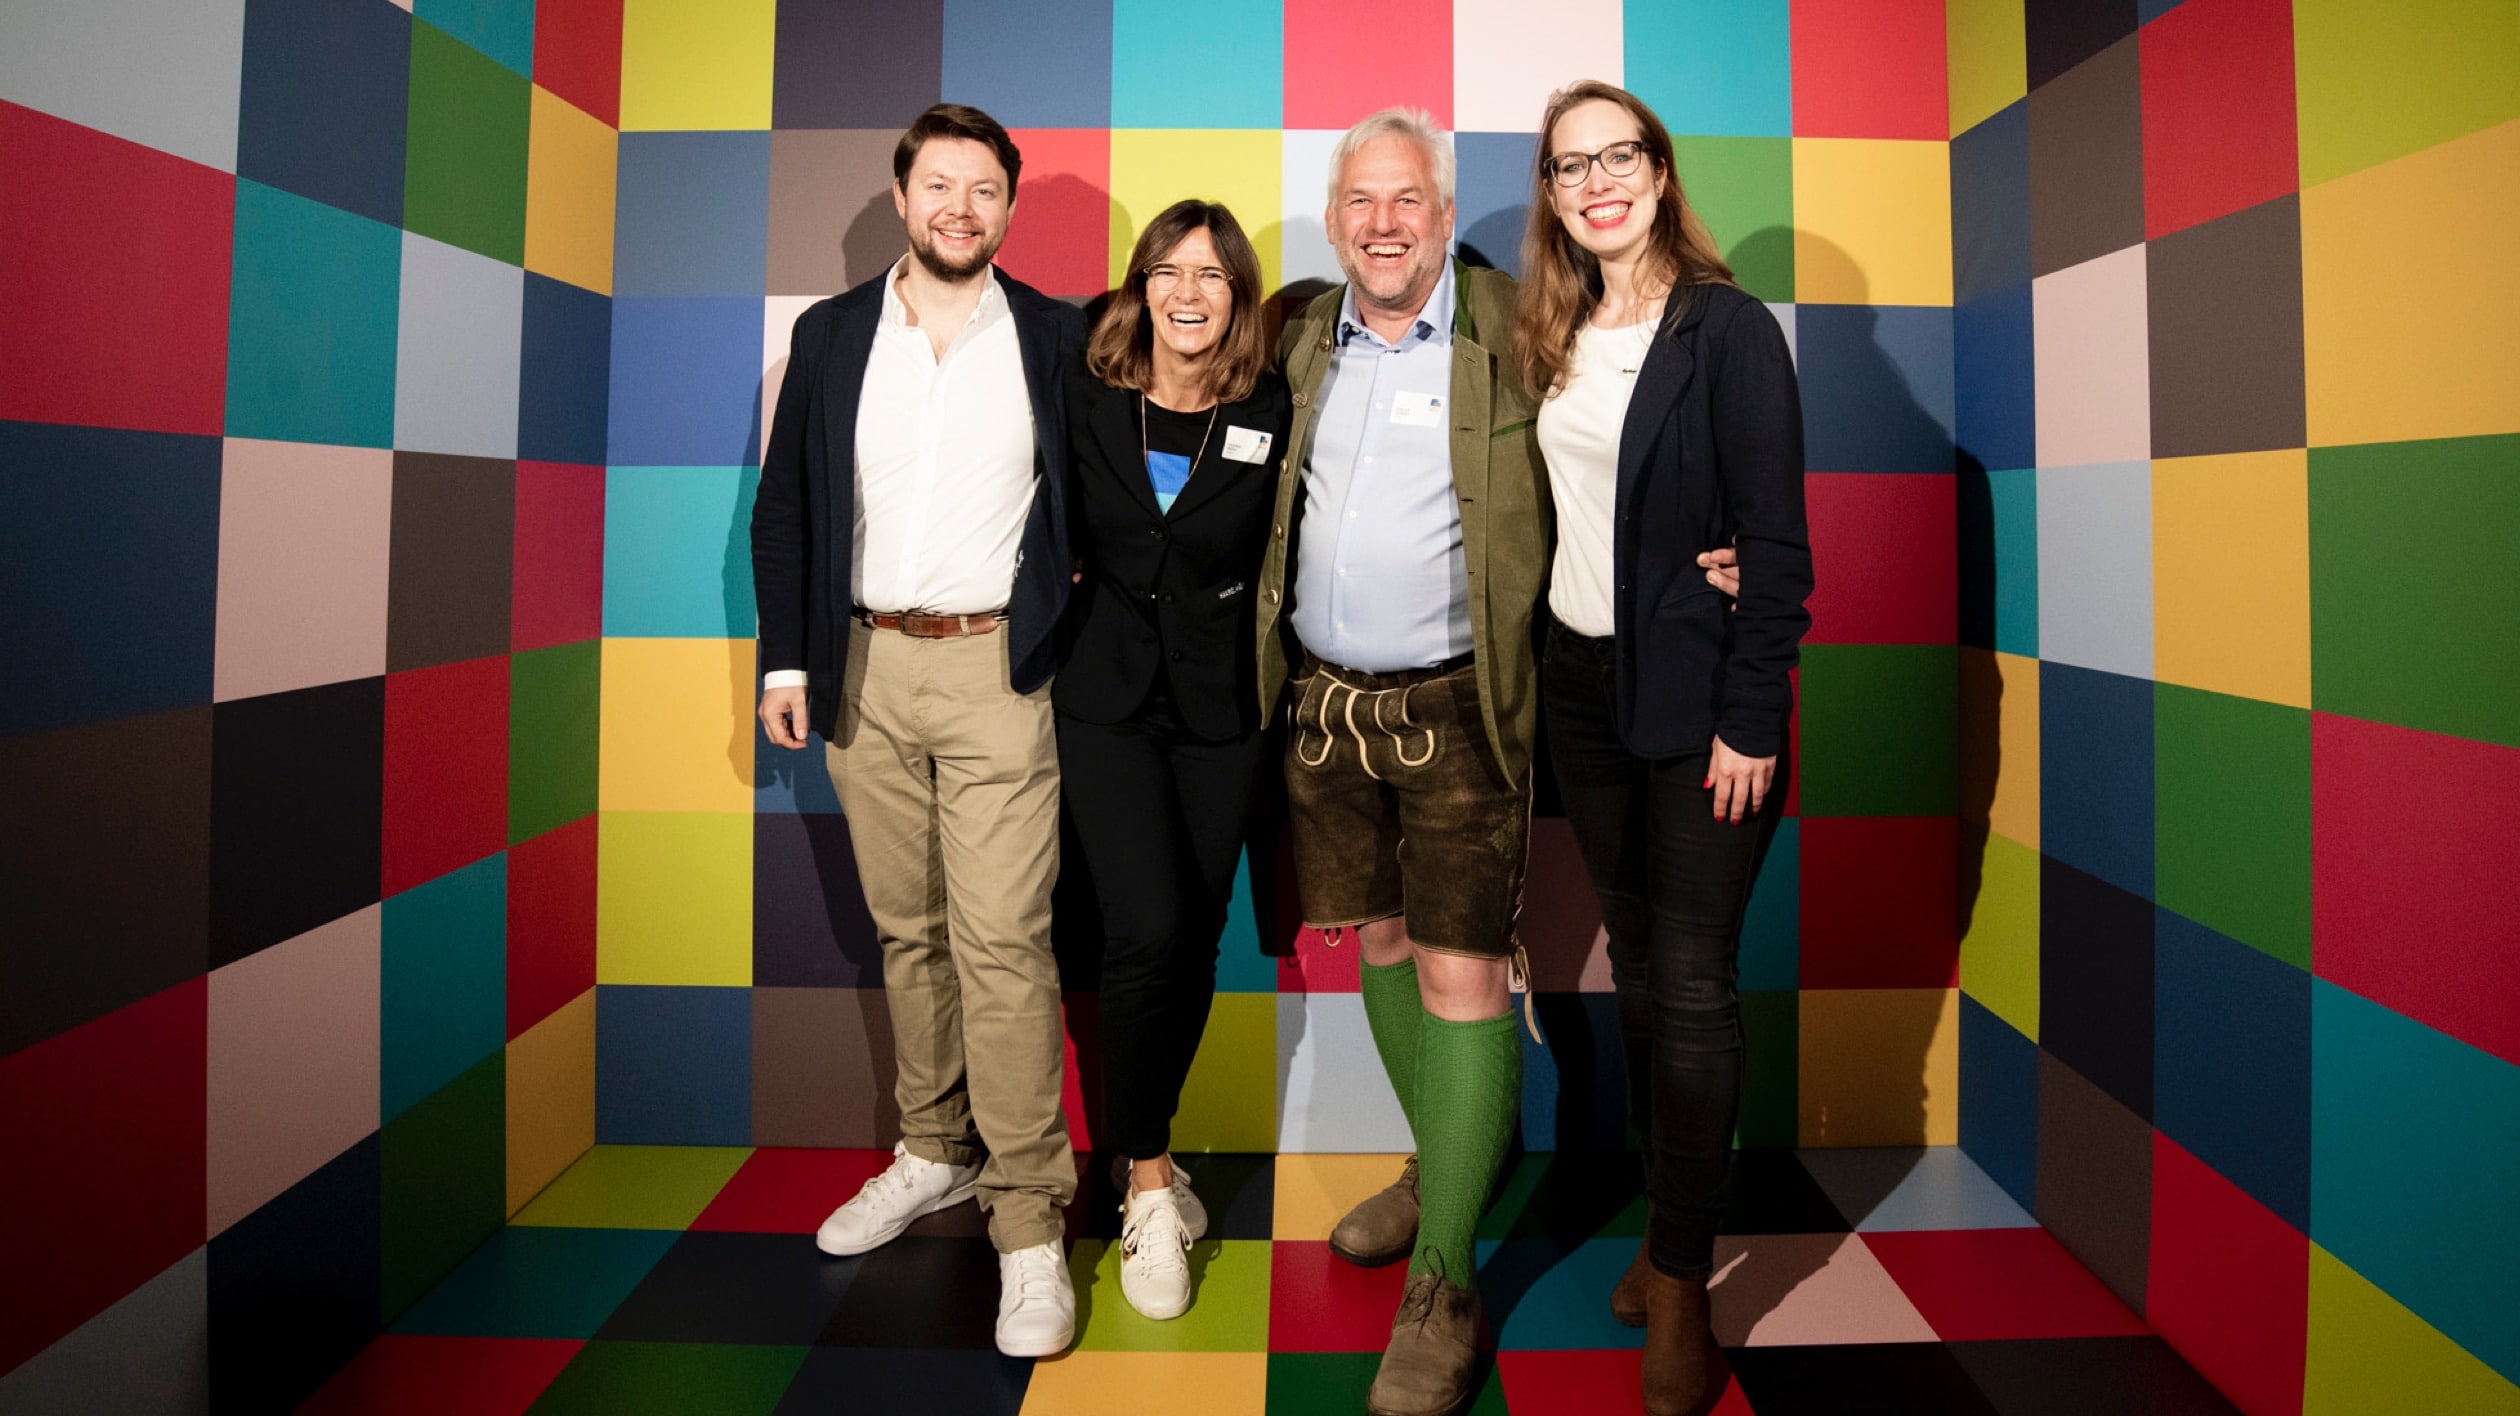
(2369, 1356)
(2231, 574)
(550, 1098)
(677, 725)
(1209, 1383)
(673, 898)
(2441, 357)
(1880, 1067)
(1229, 1102)
(1872, 222)
(689, 64)
(1999, 743)
(1152, 168)
(1985, 50)
(1999, 952)
(1316, 1189)
(569, 171)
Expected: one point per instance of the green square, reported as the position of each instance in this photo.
(2376, 82)
(671, 1379)
(1999, 943)
(314, 307)
(553, 697)
(1307, 1383)
(2413, 586)
(2231, 817)
(539, 1283)
(464, 168)
(1229, 1309)
(445, 1187)
(1743, 188)
(1771, 1068)
(636, 1187)
(1880, 730)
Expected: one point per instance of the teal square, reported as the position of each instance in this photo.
(2009, 522)
(1880, 730)
(1220, 67)
(1771, 928)
(444, 986)
(314, 301)
(465, 150)
(537, 1282)
(2411, 1176)
(1240, 966)
(502, 29)
(678, 552)
(2231, 817)
(1713, 66)
(445, 1181)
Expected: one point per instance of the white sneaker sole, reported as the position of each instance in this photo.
(1037, 1348)
(946, 1201)
(1157, 1314)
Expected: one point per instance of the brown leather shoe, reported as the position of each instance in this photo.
(1627, 1296)
(1431, 1366)
(1383, 1227)
(1684, 1373)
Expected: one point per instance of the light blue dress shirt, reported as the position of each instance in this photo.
(1380, 580)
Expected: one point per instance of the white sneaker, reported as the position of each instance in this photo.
(1036, 1305)
(1194, 1215)
(888, 1204)
(1155, 1253)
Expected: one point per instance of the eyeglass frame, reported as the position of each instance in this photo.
(1549, 164)
(1172, 275)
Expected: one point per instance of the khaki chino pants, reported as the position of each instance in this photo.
(950, 782)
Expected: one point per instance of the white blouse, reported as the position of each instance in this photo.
(1579, 439)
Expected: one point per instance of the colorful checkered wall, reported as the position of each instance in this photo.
(305, 324)
(2238, 348)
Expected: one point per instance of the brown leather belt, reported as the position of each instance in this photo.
(924, 626)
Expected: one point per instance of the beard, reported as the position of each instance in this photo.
(952, 270)
(1384, 288)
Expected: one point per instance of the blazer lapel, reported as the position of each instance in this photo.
(1667, 369)
(1115, 430)
(1041, 375)
(844, 378)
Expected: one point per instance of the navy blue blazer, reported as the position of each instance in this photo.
(802, 517)
(1711, 452)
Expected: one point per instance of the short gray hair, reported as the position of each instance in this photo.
(1414, 124)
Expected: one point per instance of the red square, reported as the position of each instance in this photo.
(1888, 548)
(550, 922)
(1319, 966)
(106, 1131)
(1060, 242)
(2218, 111)
(2413, 889)
(2228, 1284)
(1977, 1285)
(1870, 69)
(558, 589)
(114, 291)
(1586, 1383)
(1319, 1302)
(1880, 906)
(400, 1375)
(1080, 1017)
(446, 769)
(788, 1190)
(1333, 78)
(577, 53)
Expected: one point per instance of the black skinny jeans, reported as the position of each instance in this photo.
(1159, 815)
(1673, 883)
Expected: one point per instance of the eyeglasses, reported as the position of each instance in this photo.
(1212, 281)
(1568, 169)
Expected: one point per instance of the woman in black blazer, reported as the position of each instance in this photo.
(1176, 427)
(1672, 427)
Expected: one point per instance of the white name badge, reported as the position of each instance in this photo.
(1417, 410)
(1247, 444)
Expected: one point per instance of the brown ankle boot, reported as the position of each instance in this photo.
(1383, 1227)
(1432, 1363)
(1627, 1297)
(1684, 1372)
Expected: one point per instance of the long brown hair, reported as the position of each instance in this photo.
(1561, 281)
(1122, 350)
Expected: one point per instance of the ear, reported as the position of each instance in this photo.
(901, 200)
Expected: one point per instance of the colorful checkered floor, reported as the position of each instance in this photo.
(684, 1280)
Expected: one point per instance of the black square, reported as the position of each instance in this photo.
(294, 1286)
(966, 1383)
(1769, 1192)
(920, 1292)
(769, 1290)
(2089, 1376)
(2058, 34)
(2094, 1185)
(452, 575)
(1857, 1379)
(322, 102)
(2096, 982)
(856, 64)
(1239, 1193)
(2087, 161)
(297, 800)
(2224, 305)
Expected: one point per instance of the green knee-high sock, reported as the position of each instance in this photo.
(1392, 1010)
(1469, 1093)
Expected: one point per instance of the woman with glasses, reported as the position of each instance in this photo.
(1672, 427)
(1177, 427)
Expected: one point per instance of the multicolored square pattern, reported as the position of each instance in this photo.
(383, 824)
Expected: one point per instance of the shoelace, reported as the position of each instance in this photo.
(891, 1180)
(1036, 1276)
(1155, 1234)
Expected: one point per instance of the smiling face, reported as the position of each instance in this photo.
(1611, 217)
(1389, 225)
(1189, 297)
(956, 206)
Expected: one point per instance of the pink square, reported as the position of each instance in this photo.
(1870, 69)
(1332, 79)
(788, 1190)
(1319, 1302)
(1879, 905)
(1586, 1383)
(2218, 111)
(293, 1061)
(1060, 242)
(401, 1375)
(1977, 1285)
(1890, 544)
(2228, 1283)
(1801, 1290)
(558, 585)
(305, 533)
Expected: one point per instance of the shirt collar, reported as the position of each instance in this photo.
(896, 314)
(1434, 322)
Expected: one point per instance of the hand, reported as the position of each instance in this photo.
(783, 716)
(1740, 783)
(1723, 569)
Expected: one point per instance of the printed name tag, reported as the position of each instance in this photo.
(1247, 444)
(1417, 410)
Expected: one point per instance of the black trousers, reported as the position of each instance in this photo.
(1159, 814)
(1673, 883)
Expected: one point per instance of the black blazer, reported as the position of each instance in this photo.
(801, 525)
(1171, 589)
(1711, 450)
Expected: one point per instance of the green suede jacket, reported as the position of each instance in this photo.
(1497, 478)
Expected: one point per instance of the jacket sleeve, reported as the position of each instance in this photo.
(1757, 409)
(780, 507)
